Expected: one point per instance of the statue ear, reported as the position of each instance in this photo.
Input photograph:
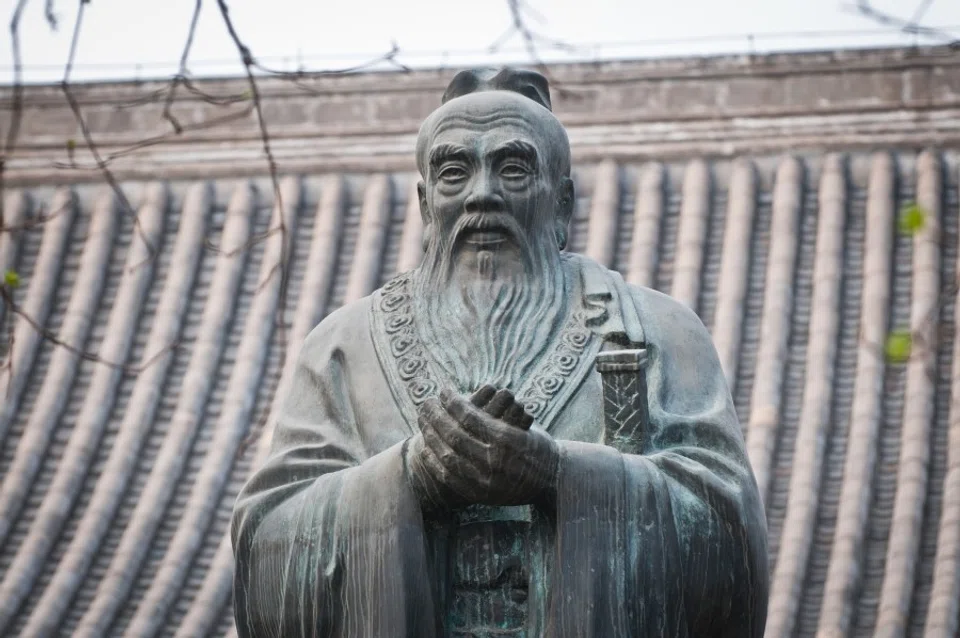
(422, 196)
(566, 201)
(424, 214)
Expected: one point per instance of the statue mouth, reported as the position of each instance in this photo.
(484, 230)
(486, 236)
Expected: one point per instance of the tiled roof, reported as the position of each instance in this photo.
(118, 484)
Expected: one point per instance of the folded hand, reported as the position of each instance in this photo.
(484, 449)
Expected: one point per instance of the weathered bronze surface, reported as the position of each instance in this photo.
(509, 440)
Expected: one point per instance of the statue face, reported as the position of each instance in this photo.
(493, 178)
(489, 179)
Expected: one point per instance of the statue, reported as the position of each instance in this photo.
(509, 440)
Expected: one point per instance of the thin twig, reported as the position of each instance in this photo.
(153, 141)
(74, 42)
(5, 291)
(39, 220)
(249, 63)
(50, 15)
(920, 11)
(389, 57)
(530, 37)
(253, 241)
(161, 94)
(910, 26)
(53, 338)
(88, 137)
(283, 265)
(16, 115)
(530, 42)
(182, 72)
(10, 144)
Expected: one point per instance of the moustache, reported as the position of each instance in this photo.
(501, 222)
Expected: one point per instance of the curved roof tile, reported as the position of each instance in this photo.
(791, 256)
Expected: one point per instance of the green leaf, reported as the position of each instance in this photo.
(898, 346)
(11, 278)
(71, 144)
(912, 219)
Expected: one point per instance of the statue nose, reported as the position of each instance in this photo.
(484, 200)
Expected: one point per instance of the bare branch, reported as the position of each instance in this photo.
(161, 94)
(389, 57)
(256, 239)
(249, 63)
(182, 72)
(50, 15)
(9, 147)
(74, 41)
(920, 11)
(518, 9)
(39, 220)
(530, 41)
(155, 140)
(16, 115)
(10, 143)
(282, 268)
(909, 26)
(88, 137)
(52, 337)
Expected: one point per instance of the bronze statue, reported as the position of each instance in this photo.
(509, 440)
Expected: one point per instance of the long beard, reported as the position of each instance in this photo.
(490, 327)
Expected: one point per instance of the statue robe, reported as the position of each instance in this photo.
(330, 540)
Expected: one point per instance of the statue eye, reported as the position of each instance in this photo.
(514, 171)
(452, 173)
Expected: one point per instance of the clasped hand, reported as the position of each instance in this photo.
(483, 449)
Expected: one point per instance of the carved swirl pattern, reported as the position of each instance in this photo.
(414, 371)
(404, 346)
(551, 376)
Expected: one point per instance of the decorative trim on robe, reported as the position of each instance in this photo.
(601, 314)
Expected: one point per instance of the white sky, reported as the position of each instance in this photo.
(128, 39)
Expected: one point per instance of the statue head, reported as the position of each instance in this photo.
(496, 199)
(495, 168)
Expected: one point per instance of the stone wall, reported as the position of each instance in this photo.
(660, 109)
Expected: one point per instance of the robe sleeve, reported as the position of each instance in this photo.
(327, 542)
(671, 542)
